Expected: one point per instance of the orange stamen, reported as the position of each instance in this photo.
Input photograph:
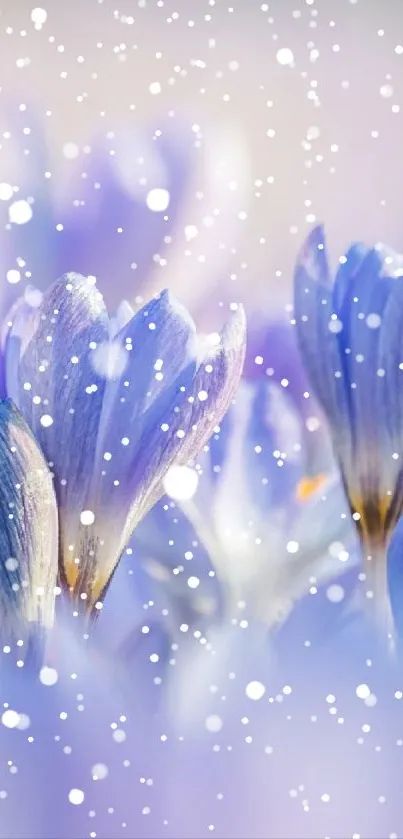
(308, 486)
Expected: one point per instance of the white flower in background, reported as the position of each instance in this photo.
(250, 513)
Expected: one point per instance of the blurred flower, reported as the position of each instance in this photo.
(113, 412)
(164, 590)
(136, 207)
(241, 536)
(273, 355)
(106, 211)
(350, 335)
(266, 525)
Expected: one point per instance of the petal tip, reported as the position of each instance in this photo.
(174, 307)
(312, 258)
(316, 239)
(233, 334)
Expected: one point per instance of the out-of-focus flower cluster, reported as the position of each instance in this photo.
(178, 526)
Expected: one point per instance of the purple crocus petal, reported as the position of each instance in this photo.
(176, 437)
(109, 229)
(18, 329)
(121, 318)
(172, 429)
(28, 531)
(161, 337)
(313, 305)
(59, 393)
(157, 343)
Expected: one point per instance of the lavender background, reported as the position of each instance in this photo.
(288, 766)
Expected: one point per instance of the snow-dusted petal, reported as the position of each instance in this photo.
(349, 265)
(317, 326)
(373, 471)
(58, 391)
(121, 318)
(18, 328)
(158, 346)
(158, 343)
(172, 430)
(365, 408)
(177, 432)
(28, 530)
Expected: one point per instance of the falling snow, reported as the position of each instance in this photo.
(229, 683)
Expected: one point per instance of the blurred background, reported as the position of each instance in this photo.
(287, 113)
(193, 144)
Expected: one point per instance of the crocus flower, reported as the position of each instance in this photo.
(349, 334)
(112, 414)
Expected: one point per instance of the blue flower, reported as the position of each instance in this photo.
(349, 332)
(112, 412)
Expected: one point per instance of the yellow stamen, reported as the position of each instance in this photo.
(72, 572)
(308, 486)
